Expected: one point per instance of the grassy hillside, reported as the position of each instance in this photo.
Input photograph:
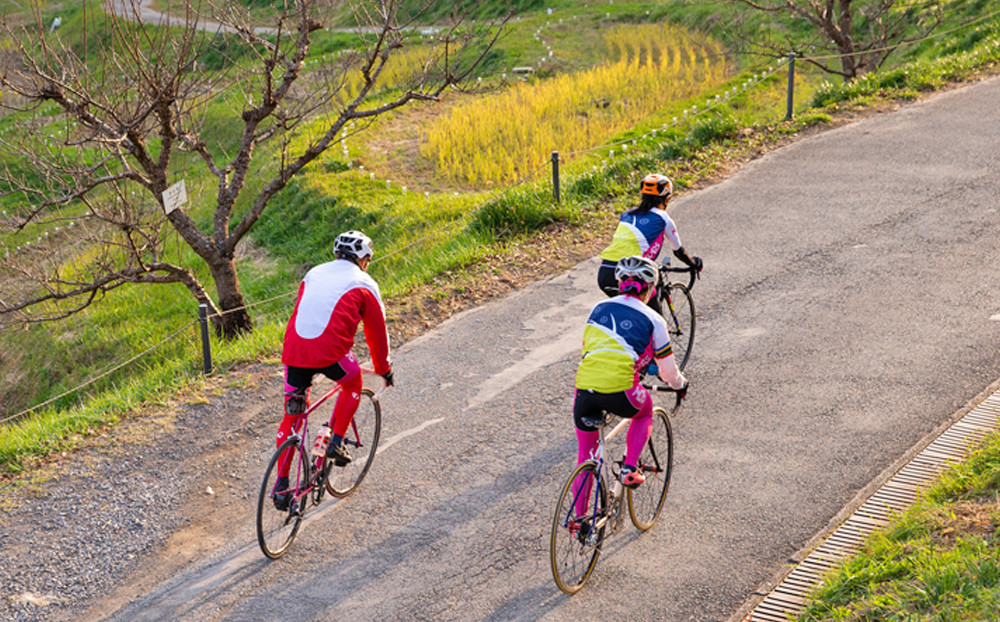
(425, 214)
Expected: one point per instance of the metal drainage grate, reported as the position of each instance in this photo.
(897, 494)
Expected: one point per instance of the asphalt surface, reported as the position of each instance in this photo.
(849, 306)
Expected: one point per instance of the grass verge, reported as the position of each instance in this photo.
(940, 560)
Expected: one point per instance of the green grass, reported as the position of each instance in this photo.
(939, 561)
(417, 235)
(919, 76)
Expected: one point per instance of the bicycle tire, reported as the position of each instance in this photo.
(571, 558)
(276, 529)
(362, 442)
(656, 462)
(677, 306)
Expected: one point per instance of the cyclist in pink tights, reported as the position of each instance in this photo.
(621, 337)
(333, 298)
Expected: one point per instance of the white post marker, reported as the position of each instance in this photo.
(174, 197)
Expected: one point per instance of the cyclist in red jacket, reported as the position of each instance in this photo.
(333, 298)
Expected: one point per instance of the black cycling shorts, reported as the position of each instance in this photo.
(590, 405)
(302, 377)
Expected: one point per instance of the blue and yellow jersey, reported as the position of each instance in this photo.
(621, 335)
(642, 233)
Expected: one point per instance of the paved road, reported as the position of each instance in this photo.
(849, 306)
(143, 11)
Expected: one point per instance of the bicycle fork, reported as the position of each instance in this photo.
(673, 314)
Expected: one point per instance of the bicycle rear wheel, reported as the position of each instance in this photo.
(573, 550)
(678, 310)
(656, 463)
(361, 441)
(276, 528)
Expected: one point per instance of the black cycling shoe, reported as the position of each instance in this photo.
(281, 500)
(339, 454)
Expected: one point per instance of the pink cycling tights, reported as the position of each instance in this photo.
(638, 433)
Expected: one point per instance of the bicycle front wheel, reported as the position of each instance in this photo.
(574, 546)
(656, 463)
(361, 441)
(678, 311)
(279, 521)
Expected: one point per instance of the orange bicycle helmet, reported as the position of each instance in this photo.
(656, 184)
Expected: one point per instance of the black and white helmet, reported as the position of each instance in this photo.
(635, 274)
(352, 245)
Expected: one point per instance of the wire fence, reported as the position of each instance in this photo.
(609, 149)
(101, 375)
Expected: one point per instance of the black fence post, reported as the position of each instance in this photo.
(206, 345)
(791, 84)
(555, 175)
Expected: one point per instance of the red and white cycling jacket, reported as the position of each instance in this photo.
(333, 298)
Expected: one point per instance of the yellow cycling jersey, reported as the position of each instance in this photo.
(621, 336)
(642, 233)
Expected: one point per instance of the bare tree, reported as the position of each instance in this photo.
(863, 33)
(108, 125)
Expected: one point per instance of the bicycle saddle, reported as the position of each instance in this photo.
(595, 422)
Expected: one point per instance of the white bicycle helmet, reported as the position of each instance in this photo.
(352, 245)
(636, 274)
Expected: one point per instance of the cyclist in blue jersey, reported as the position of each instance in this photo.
(621, 337)
(642, 231)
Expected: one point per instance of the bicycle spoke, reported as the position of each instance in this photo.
(277, 527)
(680, 316)
(361, 441)
(646, 501)
(573, 548)
(653, 466)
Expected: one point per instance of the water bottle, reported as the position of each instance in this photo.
(322, 438)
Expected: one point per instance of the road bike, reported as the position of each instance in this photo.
(677, 308)
(311, 476)
(592, 502)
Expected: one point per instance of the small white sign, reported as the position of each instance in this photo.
(174, 197)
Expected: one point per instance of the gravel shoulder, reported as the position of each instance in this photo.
(135, 504)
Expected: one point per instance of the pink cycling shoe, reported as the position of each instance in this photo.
(632, 477)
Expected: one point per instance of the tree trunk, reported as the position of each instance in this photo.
(849, 64)
(234, 319)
